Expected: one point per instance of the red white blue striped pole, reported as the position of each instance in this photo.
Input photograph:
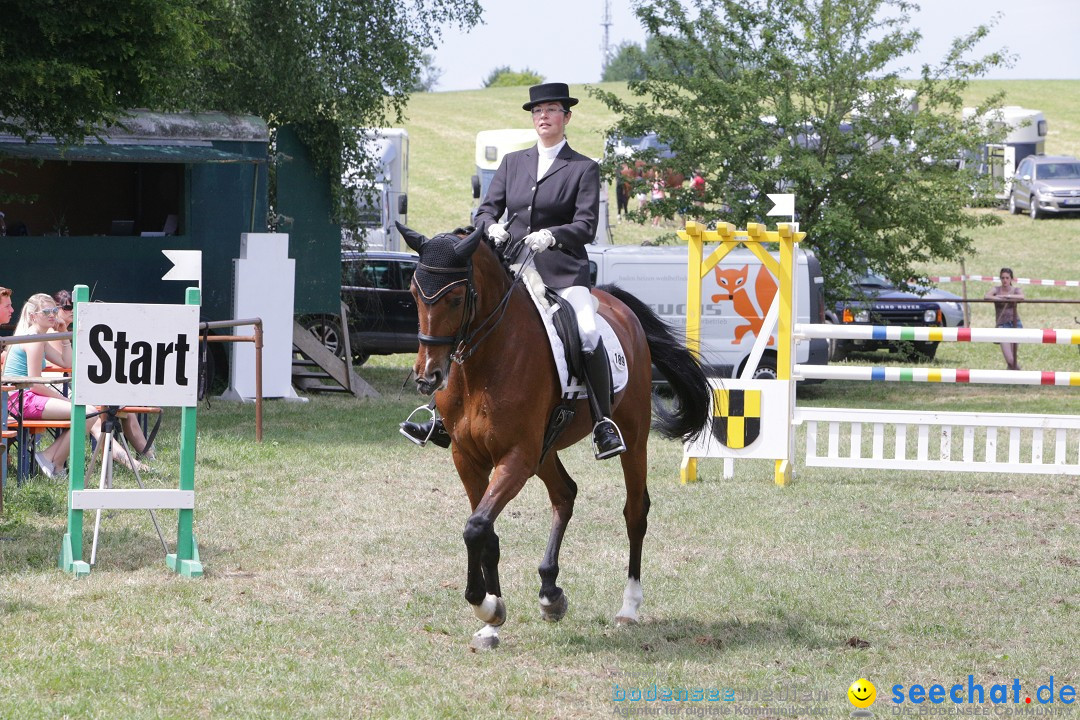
(937, 334)
(936, 375)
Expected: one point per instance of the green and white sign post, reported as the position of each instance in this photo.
(124, 355)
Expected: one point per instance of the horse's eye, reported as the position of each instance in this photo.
(455, 302)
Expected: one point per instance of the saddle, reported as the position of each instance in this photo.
(560, 321)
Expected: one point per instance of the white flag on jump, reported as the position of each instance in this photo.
(784, 204)
(187, 265)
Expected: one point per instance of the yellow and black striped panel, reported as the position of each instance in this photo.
(737, 417)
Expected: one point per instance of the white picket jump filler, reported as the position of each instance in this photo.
(965, 442)
(895, 439)
(962, 441)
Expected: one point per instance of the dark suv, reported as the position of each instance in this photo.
(382, 312)
(873, 300)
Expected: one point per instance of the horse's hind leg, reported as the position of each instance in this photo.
(636, 514)
(561, 490)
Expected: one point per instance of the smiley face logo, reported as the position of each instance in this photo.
(862, 693)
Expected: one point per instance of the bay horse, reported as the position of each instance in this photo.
(484, 355)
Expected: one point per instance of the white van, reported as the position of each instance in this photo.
(735, 296)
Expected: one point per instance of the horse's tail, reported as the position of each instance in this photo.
(683, 370)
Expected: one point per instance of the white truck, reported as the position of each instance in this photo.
(735, 299)
(492, 145)
(387, 201)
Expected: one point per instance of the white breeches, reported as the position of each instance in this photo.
(582, 301)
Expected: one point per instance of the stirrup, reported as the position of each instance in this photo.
(612, 449)
(432, 420)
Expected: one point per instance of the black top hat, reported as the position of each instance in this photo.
(549, 92)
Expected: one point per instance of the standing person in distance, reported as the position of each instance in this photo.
(1006, 314)
(552, 195)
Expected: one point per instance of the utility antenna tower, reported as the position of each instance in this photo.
(605, 48)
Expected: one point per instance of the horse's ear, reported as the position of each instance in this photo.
(412, 238)
(466, 246)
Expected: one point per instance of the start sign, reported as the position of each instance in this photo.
(136, 354)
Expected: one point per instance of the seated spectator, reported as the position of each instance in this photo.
(42, 401)
(6, 311)
(132, 431)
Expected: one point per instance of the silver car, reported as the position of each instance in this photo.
(1046, 184)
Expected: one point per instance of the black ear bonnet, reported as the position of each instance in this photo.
(442, 267)
(445, 260)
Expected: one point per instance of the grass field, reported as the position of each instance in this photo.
(335, 566)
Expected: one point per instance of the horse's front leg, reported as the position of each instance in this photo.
(482, 589)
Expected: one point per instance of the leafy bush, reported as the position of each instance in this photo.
(507, 77)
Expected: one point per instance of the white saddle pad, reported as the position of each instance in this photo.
(616, 357)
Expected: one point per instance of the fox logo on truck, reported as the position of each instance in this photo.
(733, 282)
(736, 294)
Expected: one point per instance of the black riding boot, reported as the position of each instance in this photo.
(607, 440)
(422, 433)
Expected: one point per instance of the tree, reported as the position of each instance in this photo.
(323, 68)
(67, 68)
(631, 62)
(627, 63)
(429, 74)
(767, 96)
(506, 77)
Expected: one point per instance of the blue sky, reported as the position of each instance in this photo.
(561, 39)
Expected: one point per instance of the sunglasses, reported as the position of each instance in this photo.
(67, 308)
(49, 311)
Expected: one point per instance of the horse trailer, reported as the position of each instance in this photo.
(101, 213)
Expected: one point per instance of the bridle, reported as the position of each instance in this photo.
(466, 342)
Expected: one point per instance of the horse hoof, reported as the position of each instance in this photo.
(554, 611)
(484, 639)
(492, 611)
(622, 621)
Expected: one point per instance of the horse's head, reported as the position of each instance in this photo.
(445, 300)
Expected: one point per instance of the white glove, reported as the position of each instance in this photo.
(540, 240)
(497, 233)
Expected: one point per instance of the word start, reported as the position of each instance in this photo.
(137, 363)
